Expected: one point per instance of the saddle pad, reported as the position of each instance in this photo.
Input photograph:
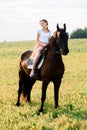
(40, 63)
(30, 63)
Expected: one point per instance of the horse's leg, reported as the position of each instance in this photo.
(57, 83)
(19, 92)
(29, 94)
(30, 85)
(44, 88)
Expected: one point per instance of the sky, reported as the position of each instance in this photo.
(19, 19)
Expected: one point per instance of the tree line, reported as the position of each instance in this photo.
(79, 33)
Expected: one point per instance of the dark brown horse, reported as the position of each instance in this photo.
(52, 69)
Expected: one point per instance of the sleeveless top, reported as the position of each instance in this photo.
(44, 36)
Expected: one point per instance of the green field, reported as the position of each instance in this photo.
(72, 111)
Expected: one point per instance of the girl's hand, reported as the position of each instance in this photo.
(54, 34)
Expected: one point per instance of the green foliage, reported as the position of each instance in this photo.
(46, 128)
(79, 33)
(72, 111)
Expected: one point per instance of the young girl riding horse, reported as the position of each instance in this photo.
(43, 37)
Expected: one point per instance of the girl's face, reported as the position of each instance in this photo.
(43, 24)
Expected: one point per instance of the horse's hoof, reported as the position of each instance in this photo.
(17, 104)
(39, 111)
(56, 106)
(29, 101)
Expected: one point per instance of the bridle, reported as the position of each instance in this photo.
(58, 44)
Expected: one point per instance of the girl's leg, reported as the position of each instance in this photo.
(32, 74)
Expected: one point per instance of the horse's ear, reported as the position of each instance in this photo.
(58, 27)
(64, 27)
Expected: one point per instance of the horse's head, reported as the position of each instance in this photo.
(61, 40)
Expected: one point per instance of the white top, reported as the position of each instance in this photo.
(44, 36)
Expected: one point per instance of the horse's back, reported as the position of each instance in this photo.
(22, 64)
(25, 55)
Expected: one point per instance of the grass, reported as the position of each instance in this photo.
(72, 112)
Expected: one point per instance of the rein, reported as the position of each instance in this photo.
(58, 52)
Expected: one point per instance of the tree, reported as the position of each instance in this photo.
(79, 33)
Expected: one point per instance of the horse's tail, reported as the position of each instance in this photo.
(25, 82)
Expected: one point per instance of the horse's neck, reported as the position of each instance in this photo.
(52, 41)
(52, 49)
(52, 44)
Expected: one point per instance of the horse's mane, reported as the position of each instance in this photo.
(50, 44)
(52, 41)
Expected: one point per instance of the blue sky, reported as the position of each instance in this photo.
(19, 19)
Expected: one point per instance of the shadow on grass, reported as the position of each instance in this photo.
(68, 110)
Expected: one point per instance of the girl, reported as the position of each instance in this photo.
(43, 37)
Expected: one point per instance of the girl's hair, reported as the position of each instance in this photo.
(44, 21)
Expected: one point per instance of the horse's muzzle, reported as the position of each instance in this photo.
(65, 52)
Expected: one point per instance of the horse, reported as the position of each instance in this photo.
(52, 69)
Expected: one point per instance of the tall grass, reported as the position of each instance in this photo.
(72, 112)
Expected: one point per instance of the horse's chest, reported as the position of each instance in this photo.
(52, 68)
